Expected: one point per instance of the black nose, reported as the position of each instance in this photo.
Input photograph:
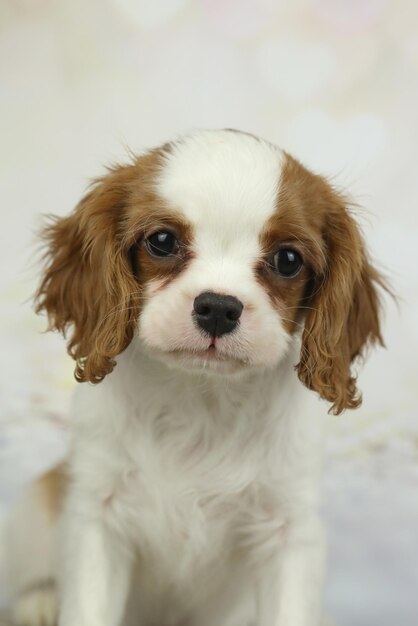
(216, 314)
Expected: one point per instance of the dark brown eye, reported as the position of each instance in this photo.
(162, 244)
(287, 262)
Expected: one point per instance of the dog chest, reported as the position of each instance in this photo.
(188, 518)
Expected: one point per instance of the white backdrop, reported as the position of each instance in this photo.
(333, 81)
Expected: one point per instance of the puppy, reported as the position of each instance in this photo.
(209, 292)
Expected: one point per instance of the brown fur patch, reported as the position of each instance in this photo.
(90, 289)
(52, 487)
(336, 292)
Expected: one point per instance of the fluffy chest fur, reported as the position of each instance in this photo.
(190, 473)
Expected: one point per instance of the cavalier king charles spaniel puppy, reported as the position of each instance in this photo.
(210, 292)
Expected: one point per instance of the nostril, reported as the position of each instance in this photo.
(233, 314)
(204, 304)
(203, 310)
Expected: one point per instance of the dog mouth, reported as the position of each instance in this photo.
(207, 358)
(211, 354)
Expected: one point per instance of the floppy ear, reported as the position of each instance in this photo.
(88, 288)
(344, 313)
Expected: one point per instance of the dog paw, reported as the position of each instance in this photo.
(37, 607)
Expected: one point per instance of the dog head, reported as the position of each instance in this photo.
(215, 252)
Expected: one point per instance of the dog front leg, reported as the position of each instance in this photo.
(290, 589)
(96, 575)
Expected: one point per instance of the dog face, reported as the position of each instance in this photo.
(214, 251)
(214, 309)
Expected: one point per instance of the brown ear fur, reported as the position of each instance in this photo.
(344, 317)
(88, 289)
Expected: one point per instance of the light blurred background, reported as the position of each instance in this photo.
(333, 81)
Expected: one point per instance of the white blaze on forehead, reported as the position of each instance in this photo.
(226, 184)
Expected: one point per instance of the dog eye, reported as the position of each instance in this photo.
(161, 244)
(287, 262)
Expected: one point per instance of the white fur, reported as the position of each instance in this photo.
(212, 481)
(226, 186)
(194, 488)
